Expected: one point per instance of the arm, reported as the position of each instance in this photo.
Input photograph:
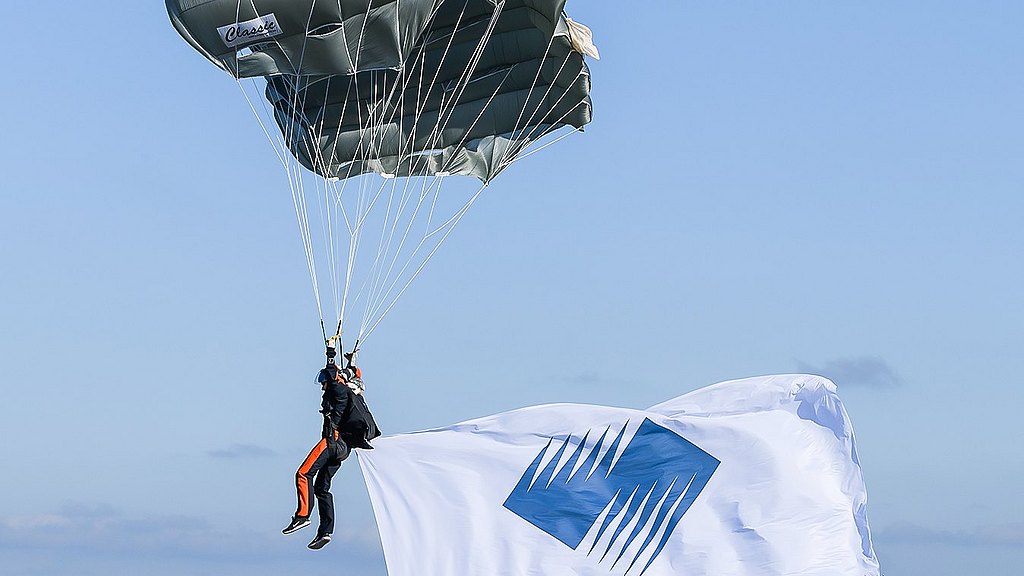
(335, 404)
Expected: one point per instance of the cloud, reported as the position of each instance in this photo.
(102, 540)
(103, 527)
(860, 371)
(104, 530)
(238, 451)
(1009, 535)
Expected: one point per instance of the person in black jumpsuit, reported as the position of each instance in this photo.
(325, 459)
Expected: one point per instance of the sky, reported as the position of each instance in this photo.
(833, 188)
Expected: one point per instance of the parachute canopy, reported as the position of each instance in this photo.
(394, 96)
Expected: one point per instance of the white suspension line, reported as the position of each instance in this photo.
(363, 335)
(536, 78)
(302, 214)
(357, 233)
(398, 251)
(483, 109)
(545, 145)
(373, 303)
(372, 300)
(422, 103)
(470, 68)
(373, 275)
(544, 97)
(435, 185)
(382, 104)
(328, 206)
(447, 109)
(375, 271)
(298, 202)
(337, 137)
(273, 143)
(507, 159)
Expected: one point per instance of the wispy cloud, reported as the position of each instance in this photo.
(238, 451)
(103, 528)
(98, 540)
(108, 531)
(860, 371)
(1011, 535)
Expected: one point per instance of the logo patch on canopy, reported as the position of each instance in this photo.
(258, 28)
(623, 503)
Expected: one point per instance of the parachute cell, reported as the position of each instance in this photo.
(251, 38)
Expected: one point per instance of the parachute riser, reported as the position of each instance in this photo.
(332, 344)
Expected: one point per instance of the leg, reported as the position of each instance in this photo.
(322, 489)
(338, 452)
(311, 466)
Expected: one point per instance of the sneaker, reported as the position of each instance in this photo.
(319, 542)
(297, 523)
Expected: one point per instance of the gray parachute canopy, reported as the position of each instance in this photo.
(412, 90)
(479, 86)
(401, 88)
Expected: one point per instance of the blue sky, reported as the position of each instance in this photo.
(766, 187)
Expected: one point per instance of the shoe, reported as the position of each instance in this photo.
(319, 542)
(297, 523)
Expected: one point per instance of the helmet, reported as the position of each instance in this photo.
(325, 375)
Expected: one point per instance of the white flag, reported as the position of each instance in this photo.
(749, 477)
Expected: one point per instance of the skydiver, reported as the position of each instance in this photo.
(340, 388)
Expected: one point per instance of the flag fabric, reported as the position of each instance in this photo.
(752, 477)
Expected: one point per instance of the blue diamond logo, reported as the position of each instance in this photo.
(635, 494)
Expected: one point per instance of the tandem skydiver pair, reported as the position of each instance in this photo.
(347, 424)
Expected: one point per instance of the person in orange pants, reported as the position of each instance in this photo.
(313, 478)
